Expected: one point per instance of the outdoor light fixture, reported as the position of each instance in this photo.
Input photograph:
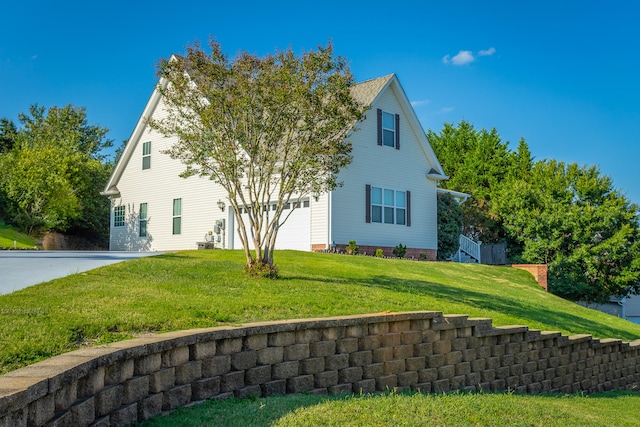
(221, 205)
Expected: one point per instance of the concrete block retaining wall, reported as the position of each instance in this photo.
(134, 380)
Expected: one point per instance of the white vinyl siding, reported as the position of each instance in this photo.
(399, 170)
(157, 187)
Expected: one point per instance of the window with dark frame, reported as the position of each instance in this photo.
(388, 129)
(146, 155)
(177, 216)
(118, 216)
(142, 220)
(387, 206)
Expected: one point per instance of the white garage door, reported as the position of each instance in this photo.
(294, 234)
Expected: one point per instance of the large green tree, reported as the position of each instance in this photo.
(265, 128)
(571, 217)
(54, 170)
(564, 215)
(477, 161)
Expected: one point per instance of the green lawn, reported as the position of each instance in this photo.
(612, 409)
(207, 288)
(12, 238)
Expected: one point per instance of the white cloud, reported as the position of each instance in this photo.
(446, 109)
(463, 57)
(34, 57)
(487, 52)
(420, 103)
(466, 56)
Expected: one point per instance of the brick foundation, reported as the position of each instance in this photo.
(131, 381)
(539, 271)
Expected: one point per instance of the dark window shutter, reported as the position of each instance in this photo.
(397, 131)
(408, 208)
(379, 126)
(367, 216)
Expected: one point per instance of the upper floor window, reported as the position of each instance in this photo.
(387, 206)
(118, 216)
(143, 220)
(388, 129)
(146, 155)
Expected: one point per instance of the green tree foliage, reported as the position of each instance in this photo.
(571, 217)
(8, 132)
(476, 161)
(265, 128)
(564, 215)
(54, 171)
(449, 226)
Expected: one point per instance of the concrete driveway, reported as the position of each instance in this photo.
(19, 269)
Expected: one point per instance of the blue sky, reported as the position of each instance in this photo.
(562, 74)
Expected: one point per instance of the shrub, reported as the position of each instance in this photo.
(423, 256)
(352, 248)
(379, 253)
(400, 250)
(449, 226)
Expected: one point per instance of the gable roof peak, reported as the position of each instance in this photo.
(367, 91)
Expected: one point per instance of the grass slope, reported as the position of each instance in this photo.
(9, 235)
(614, 409)
(207, 288)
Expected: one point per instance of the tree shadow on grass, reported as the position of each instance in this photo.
(484, 301)
(488, 304)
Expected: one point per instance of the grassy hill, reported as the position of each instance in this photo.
(10, 238)
(207, 288)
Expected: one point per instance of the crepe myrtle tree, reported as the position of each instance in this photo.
(268, 129)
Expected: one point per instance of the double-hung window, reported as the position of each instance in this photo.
(146, 155)
(388, 129)
(177, 216)
(143, 220)
(118, 216)
(387, 206)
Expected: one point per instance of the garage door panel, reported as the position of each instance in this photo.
(295, 233)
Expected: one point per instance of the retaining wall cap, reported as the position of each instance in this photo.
(579, 338)
(58, 370)
(550, 334)
(505, 330)
(17, 392)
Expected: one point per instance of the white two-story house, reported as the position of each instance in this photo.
(388, 196)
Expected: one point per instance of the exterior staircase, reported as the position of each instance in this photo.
(469, 251)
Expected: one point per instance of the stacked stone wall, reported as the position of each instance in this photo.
(134, 380)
